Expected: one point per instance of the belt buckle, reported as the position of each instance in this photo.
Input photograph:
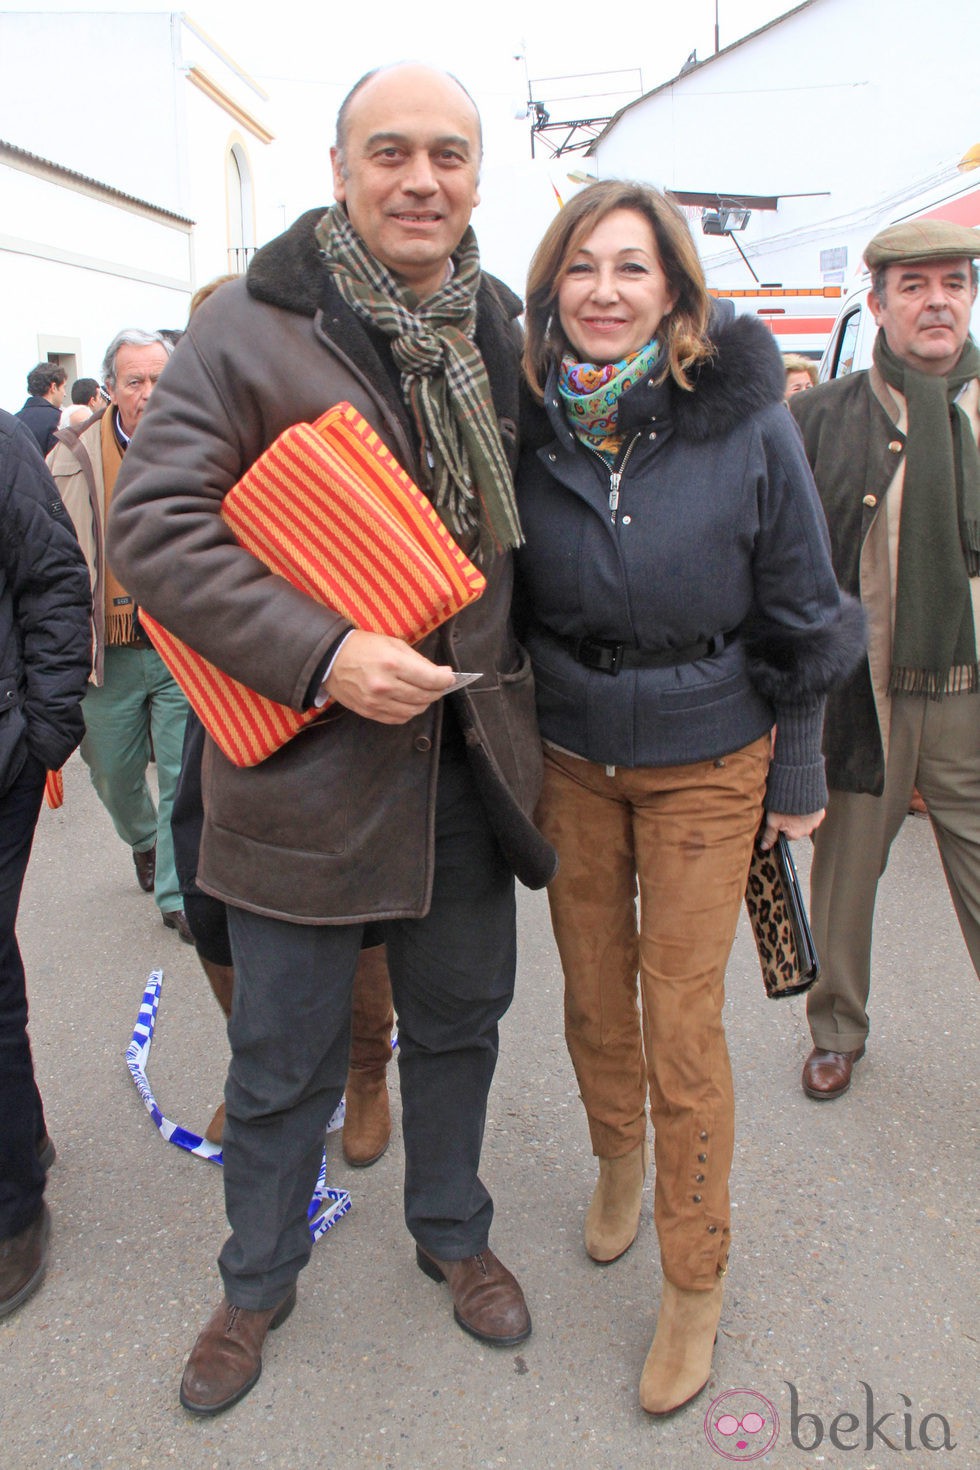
(607, 658)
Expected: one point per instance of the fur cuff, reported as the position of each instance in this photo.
(787, 665)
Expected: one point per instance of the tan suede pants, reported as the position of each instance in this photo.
(681, 838)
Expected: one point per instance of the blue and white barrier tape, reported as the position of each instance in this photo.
(327, 1205)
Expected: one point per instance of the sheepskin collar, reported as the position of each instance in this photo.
(745, 375)
(289, 272)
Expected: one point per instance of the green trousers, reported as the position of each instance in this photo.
(138, 702)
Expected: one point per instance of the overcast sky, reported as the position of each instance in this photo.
(307, 56)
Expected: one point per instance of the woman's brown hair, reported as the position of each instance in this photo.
(683, 332)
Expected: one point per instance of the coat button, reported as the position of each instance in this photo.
(703, 1137)
(712, 1229)
(702, 1158)
(896, 446)
(422, 742)
(696, 1198)
(653, 434)
(699, 1178)
(627, 520)
(870, 501)
(552, 457)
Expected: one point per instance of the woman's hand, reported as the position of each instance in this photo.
(793, 825)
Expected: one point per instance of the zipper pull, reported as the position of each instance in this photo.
(614, 479)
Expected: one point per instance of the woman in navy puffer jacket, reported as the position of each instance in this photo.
(681, 604)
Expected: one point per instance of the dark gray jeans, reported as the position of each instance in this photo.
(452, 976)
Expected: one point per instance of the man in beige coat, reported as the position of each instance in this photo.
(133, 705)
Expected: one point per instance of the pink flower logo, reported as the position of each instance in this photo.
(741, 1424)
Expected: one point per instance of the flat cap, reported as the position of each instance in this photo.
(922, 239)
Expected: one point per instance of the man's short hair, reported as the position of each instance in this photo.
(43, 377)
(130, 337)
(83, 390)
(343, 115)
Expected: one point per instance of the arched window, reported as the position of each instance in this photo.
(241, 232)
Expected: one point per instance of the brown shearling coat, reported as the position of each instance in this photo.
(337, 826)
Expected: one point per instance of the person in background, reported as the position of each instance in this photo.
(86, 400)
(894, 451)
(680, 603)
(42, 412)
(133, 707)
(801, 373)
(45, 656)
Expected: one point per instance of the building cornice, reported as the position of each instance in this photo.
(218, 95)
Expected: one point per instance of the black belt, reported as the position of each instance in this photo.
(609, 658)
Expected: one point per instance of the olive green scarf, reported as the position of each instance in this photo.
(935, 650)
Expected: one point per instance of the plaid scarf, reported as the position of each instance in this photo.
(443, 379)
(934, 651)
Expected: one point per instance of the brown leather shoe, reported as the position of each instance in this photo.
(145, 864)
(177, 919)
(226, 1361)
(487, 1301)
(827, 1074)
(23, 1262)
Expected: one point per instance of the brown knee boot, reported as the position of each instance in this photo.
(367, 1118)
(678, 1364)
(222, 978)
(614, 1215)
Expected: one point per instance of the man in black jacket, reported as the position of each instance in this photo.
(45, 655)
(41, 413)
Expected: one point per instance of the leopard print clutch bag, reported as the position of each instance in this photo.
(779, 922)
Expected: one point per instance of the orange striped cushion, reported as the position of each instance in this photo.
(331, 510)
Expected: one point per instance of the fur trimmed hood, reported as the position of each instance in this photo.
(289, 271)
(745, 375)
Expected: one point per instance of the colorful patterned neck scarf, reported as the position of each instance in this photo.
(591, 393)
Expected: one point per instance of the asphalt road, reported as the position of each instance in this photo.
(851, 1296)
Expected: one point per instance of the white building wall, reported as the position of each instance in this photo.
(74, 270)
(870, 102)
(97, 93)
(76, 264)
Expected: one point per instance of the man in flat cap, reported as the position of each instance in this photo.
(894, 452)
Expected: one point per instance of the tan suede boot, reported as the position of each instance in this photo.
(613, 1217)
(678, 1364)
(367, 1118)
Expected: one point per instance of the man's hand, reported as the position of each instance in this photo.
(384, 679)
(794, 826)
